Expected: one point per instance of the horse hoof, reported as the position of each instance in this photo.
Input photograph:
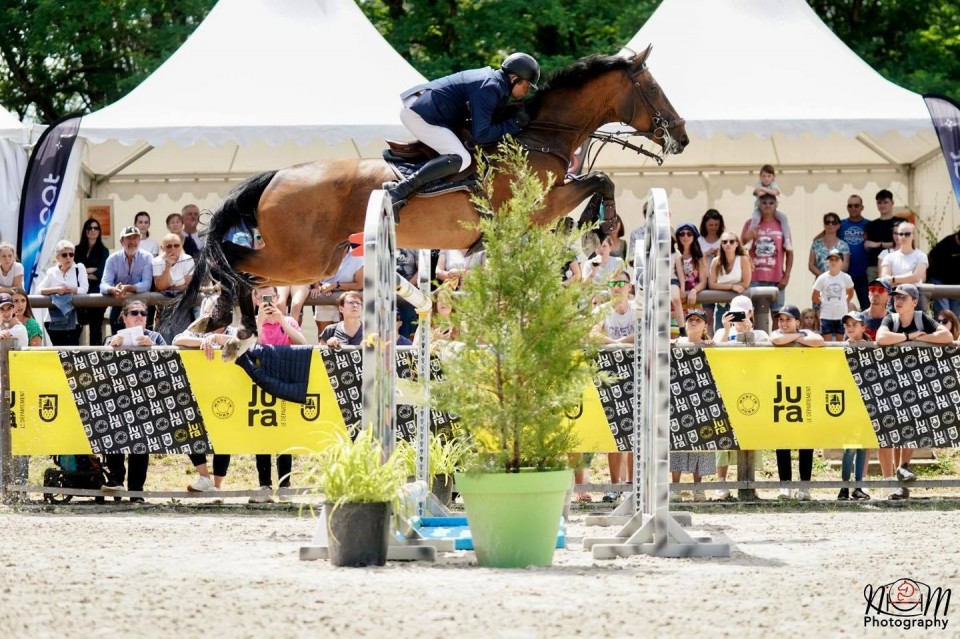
(237, 346)
(199, 326)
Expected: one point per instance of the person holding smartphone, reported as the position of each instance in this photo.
(737, 325)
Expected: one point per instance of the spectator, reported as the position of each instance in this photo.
(944, 268)
(191, 220)
(854, 458)
(208, 343)
(297, 297)
(809, 320)
(700, 463)
(906, 323)
(453, 265)
(772, 260)
(879, 232)
(789, 332)
(677, 288)
(879, 296)
(24, 314)
(175, 223)
(127, 271)
(853, 231)
(945, 317)
(172, 270)
(906, 265)
(734, 329)
(692, 263)
(833, 292)
(618, 327)
(273, 329)
(731, 271)
(614, 230)
(766, 187)
(142, 221)
(134, 316)
(408, 264)
(349, 277)
(11, 271)
(349, 330)
(92, 252)
(10, 326)
(61, 283)
(711, 230)
(826, 242)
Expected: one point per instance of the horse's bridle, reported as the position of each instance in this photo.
(661, 128)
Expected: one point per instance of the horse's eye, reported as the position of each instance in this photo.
(653, 90)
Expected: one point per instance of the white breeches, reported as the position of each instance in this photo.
(440, 139)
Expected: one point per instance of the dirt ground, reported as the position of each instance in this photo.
(155, 572)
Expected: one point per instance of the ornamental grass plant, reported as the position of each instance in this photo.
(525, 353)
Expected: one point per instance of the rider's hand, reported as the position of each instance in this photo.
(522, 119)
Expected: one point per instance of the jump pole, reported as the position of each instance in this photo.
(653, 529)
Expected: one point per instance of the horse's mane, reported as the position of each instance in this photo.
(576, 75)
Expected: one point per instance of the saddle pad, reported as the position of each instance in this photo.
(404, 168)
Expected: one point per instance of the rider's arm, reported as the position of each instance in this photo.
(484, 102)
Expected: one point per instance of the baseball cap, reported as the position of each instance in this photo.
(884, 283)
(856, 316)
(128, 231)
(790, 310)
(834, 253)
(5, 299)
(907, 289)
(741, 303)
(697, 312)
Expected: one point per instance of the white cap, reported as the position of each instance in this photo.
(741, 303)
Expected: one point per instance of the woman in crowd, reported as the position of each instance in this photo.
(297, 297)
(949, 320)
(148, 244)
(731, 271)
(699, 464)
(61, 282)
(11, 271)
(711, 228)
(92, 252)
(24, 314)
(824, 243)
(603, 266)
(453, 265)
(10, 326)
(906, 265)
(614, 230)
(692, 263)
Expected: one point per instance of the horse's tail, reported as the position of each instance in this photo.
(240, 206)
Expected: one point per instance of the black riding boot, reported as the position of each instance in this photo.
(436, 169)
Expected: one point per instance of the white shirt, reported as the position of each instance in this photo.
(19, 333)
(833, 294)
(7, 280)
(178, 272)
(76, 277)
(348, 268)
(619, 325)
(150, 246)
(901, 264)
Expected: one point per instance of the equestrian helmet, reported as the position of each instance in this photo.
(524, 67)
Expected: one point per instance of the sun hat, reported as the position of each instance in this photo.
(741, 303)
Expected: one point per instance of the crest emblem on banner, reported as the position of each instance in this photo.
(310, 409)
(48, 407)
(835, 403)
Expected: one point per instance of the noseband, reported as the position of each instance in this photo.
(661, 126)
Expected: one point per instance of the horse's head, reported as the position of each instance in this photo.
(647, 109)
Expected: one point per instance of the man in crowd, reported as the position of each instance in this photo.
(192, 241)
(879, 293)
(945, 269)
(127, 271)
(134, 316)
(906, 323)
(772, 263)
(880, 232)
(853, 231)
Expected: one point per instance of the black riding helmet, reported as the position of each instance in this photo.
(524, 67)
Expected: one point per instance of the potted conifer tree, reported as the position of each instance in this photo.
(525, 356)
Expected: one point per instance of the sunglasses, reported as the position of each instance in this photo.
(729, 241)
(943, 320)
(137, 313)
(617, 284)
(93, 228)
(685, 234)
(166, 246)
(768, 201)
(907, 234)
(854, 206)
(877, 289)
(832, 223)
(66, 254)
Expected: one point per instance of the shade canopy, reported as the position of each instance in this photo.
(11, 128)
(260, 84)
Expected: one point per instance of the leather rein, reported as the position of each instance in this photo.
(661, 127)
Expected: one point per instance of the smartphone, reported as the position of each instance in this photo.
(266, 299)
(737, 316)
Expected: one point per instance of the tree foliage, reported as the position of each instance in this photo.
(57, 57)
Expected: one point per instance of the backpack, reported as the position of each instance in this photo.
(74, 471)
(917, 321)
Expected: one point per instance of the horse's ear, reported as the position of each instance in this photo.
(641, 58)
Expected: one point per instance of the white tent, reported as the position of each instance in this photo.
(765, 81)
(259, 85)
(13, 166)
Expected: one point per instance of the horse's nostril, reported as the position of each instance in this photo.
(684, 140)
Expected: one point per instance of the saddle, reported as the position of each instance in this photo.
(405, 158)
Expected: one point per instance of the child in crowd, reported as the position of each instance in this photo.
(809, 320)
(767, 186)
(833, 291)
(854, 458)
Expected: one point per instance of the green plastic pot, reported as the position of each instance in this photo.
(514, 517)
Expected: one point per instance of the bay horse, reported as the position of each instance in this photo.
(305, 213)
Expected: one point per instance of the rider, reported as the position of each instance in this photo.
(431, 110)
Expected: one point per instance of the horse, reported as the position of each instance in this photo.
(305, 213)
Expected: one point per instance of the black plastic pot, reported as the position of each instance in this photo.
(442, 488)
(358, 534)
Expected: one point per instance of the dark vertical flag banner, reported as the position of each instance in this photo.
(44, 204)
(945, 114)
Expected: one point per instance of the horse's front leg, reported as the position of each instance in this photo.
(565, 197)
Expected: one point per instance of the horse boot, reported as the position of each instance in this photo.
(436, 169)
